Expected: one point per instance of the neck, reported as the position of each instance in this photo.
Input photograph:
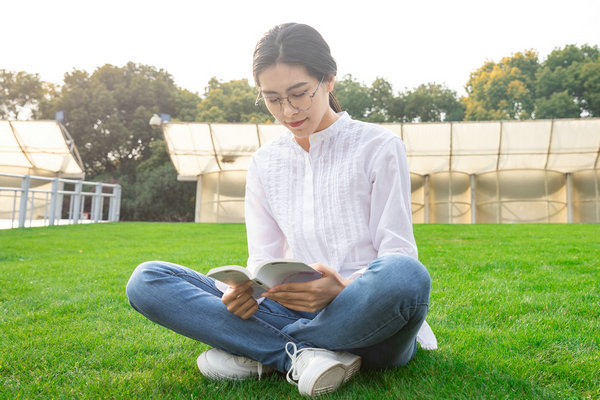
(303, 142)
(328, 119)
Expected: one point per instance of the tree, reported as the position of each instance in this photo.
(354, 97)
(107, 113)
(568, 83)
(20, 93)
(232, 101)
(431, 103)
(504, 90)
(158, 195)
(382, 97)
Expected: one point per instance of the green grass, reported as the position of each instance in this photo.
(516, 309)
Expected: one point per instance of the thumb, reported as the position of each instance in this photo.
(324, 269)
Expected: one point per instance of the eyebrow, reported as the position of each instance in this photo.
(296, 86)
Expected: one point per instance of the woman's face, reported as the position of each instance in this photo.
(282, 80)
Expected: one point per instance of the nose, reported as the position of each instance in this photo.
(287, 109)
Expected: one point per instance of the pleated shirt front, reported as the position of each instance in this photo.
(343, 203)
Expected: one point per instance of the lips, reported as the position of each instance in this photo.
(296, 124)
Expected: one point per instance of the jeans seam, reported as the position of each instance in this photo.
(265, 324)
(374, 332)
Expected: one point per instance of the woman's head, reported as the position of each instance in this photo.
(296, 44)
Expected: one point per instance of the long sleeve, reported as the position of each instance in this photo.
(265, 239)
(390, 220)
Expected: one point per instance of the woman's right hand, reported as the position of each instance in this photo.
(239, 300)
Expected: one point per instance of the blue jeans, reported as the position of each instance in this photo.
(376, 317)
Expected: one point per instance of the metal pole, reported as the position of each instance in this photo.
(473, 200)
(426, 205)
(114, 204)
(77, 203)
(97, 204)
(25, 182)
(569, 197)
(53, 201)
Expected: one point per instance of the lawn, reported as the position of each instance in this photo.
(516, 309)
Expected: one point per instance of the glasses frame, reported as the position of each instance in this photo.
(280, 99)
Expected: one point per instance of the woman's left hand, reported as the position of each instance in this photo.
(309, 296)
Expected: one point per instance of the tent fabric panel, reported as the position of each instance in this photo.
(427, 139)
(571, 162)
(190, 148)
(475, 138)
(44, 144)
(522, 161)
(38, 145)
(234, 139)
(235, 144)
(10, 151)
(575, 136)
(474, 163)
(424, 165)
(268, 132)
(188, 139)
(525, 137)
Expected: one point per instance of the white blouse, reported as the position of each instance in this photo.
(343, 203)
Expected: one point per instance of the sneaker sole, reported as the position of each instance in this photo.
(351, 364)
(210, 373)
(332, 375)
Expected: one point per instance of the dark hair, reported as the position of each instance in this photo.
(298, 44)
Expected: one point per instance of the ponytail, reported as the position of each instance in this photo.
(334, 103)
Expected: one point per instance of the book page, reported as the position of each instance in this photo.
(277, 272)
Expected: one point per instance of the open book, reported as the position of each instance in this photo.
(268, 274)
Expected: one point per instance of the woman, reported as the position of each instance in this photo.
(332, 192)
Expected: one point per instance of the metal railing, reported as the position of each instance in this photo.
(56, 201)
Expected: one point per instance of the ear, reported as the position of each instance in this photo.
(330, 83)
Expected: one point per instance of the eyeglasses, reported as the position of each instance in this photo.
(300, 101)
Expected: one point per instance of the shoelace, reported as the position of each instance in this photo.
(294, 356)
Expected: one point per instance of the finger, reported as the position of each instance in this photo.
(246, 309)
(253, 307)
(235, 291)
(295, 287)
(300, 307)
(241, 303)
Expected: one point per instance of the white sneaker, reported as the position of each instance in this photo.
(320, 371)
(218, 364)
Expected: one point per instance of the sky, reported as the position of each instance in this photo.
(408, 43)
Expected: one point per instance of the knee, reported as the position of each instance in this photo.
(138, 286)
(404, 276)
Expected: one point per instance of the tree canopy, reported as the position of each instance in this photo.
(20, 93)
(232, 101)
(107, 112)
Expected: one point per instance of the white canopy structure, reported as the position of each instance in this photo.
(38, 148)
(41, 171)
(461, 172)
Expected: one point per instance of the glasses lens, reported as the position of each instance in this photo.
(301, 101)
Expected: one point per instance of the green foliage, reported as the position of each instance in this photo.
(231, 101)
(382, 96)
(378, 103)
(557, 105)
(514, 307)
(431, 103)
(354, 97)
(153, 193)
(568, 83)
(504, 90)
(19, 91)
(107, 113)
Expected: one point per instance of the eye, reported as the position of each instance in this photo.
(273, 100)
(299, 95)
